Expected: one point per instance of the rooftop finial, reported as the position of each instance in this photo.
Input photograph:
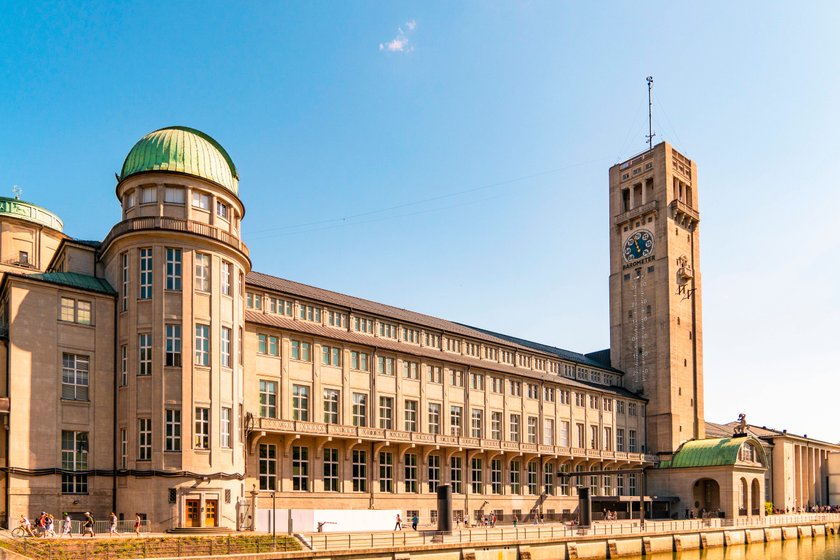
(17, 192)
(650, 133)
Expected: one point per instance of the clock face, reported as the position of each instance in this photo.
(638, 245)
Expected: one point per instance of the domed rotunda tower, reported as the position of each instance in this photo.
(178, 264)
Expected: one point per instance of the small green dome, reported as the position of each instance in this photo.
(182, 150)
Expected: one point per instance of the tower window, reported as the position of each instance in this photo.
(648, 310)
(627, 277)
(685, 362)
(625, 199)
(630, 314)
(678, 320)
(650, 269)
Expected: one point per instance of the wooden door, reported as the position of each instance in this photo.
(210, 512)
(193, 510)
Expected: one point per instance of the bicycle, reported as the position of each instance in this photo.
(20, 532)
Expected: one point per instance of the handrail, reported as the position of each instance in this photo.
(174, 224)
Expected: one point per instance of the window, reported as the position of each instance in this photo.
(335, 319)
(74, 457)
(386, 413)
(411, 473)
(124, 277)
(410, 416)
(123, 365)
(593, 402)
(144, 354)
(533, 391)
(301, 351)
(201, 200)
(202, 428)
(434, 374)
(172, 439)
(386, 472)
(532, 477)
(226, 277)
(476, 423)
(144, 439)
(410, 370)
(548, 431)
(514, 427)
(456, 416)
(455, 471)
(330, 469)
(267, 344)
(453, 345)
(476, 476)
(548, 479)
(580, 436)
(532, 429)
(359, 470)
(434, 418)
(221, 210)
(434, 472)
(225, 347)
(632, 441)
(548, 394)
(300, 403)
(359, 361)
(496, 476)
(361, 324)
(411, 335)
(331, 406)
(174, 195)
(580, 399)
(385, 366)
(173, 345)
(300, 468)
(594, 482)
(593, 437)
(202, 272)
(432, 340)
(496, 425)
(607, 439)
(268, 466)
(564, 480)
(619, 407)
(331, 356)
(631, 409)
(564, 396)
(619, 439)
(498, 385)
(75, 311)
(516, 388)
(608, 404)
(148, 195)
(631, 479)
(515, 470)
(146, 273)
(456, 378)
(471, 349)
(173, 269)
(202, 345)
(564, 433)
(131, 199)
(477, 381)
(123, 448)
(268, 399)
(75, 370)
(359, 409)
(224, 433)
(387, 330)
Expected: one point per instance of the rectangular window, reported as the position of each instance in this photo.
(148, 195)
(564, 396)
(300, 403)
(74, 457)
(224, 432)
(619, 439)
(123, 448)
(173, 345)
(593, 437)
(75, 377)
(498, 385)
(456, 378)
(410, 370)
(434, 418)
(202, 345)
(201, 200)
(301, 351)
(607, 439)
(496, 476)
(532, 478)
(516, 388)
(172, 439)
(548, 479)
(202, 272)
(532, 429)
(331, 406)
(268, 466)
(144, 354)
(631, 409)
(477, 423)
(359, 409)
(173, 269)
(580, 436)
(619, 485)
(300, 468)
(146, 273)
(434, 472)
(514, 427)
(359, 361)
(226, 277)
(632, 441)
(310, 313)
(225, 347)
(202, 428)
(455, 473)
(496, 425)
(385, 366)
(564, 481)
(533, 391)
(564, 433)
(174, 195)
(386, 472)
(608, 404)
(123, 365)
(410, 416)
(411, 473)
(359, 470)
(330, 469)
(331, 356)
(456, 419)
(476, 475)
(515, 471)
(144, 439)
(631, 478)
(268, 399)
(548, 431)
(221, 210)
(124, 277)
(434, 374)
(477, 381)
(386, 413)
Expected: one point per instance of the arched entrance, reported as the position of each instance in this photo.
(706, 496)
(743, 501)
(755, 498)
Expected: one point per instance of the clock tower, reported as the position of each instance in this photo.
(655, 292)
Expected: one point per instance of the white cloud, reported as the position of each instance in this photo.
(400, 43)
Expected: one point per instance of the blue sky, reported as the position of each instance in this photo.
(452, 158)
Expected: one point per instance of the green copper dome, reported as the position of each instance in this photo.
(182, 150)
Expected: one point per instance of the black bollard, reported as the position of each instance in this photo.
(444, 508)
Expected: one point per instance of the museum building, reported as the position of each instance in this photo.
(155, 372)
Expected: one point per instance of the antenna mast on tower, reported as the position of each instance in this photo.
(650, 133)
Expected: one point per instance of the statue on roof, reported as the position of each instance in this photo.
(741, 428)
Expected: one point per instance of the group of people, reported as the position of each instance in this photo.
(415, 520)
(610, 515)
(45, 525)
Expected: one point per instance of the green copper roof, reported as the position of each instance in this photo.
(29, 212)
(75, 280)
(182, 150)
(710, 453)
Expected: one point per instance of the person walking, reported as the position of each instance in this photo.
(88, 525)
(50, 526)
(415, 521)
(68, 526)
(515, 520)
(138, 522)
(398, 526)
(112, 526)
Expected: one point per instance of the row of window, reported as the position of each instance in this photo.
(386, 420)
(176, 195)
(361, 474)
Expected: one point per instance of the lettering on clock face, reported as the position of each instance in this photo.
(638, 245)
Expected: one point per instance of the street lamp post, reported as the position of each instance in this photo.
(274, 520)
